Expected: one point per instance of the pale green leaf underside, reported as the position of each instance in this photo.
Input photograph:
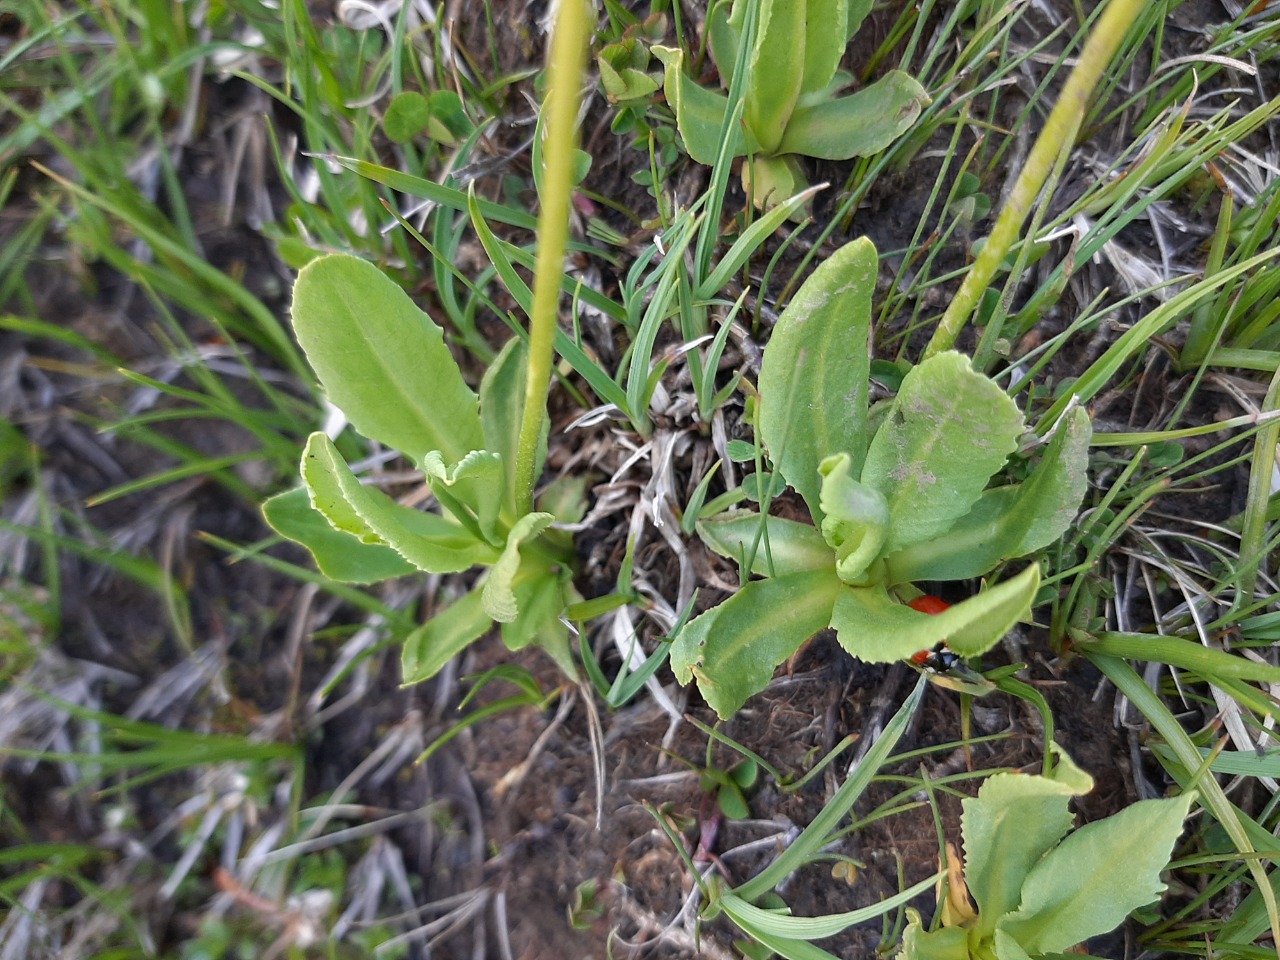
(381, 360)
(340, 556)
(428, 648)
(785, 546)
(947, 432)
(734, 648)
(814, 376)
(945, 943)
(1099, 874)
(874, 627)
(428, 541)
(858, 125)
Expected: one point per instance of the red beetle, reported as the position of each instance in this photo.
(928, 604)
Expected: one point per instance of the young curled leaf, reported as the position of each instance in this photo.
(499, 594)
(856, 519)
(474, 486)
(340, 556)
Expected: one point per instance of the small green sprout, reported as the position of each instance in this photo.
(790, 52)
(898, 494)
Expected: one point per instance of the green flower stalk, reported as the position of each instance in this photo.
(568, 60)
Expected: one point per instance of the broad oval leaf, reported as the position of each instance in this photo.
(382, 360)
(858, 125)
(699, 111)
(340, 556)
(947, 432)
(407, 116)
(429, 647)
(826, 36)
(874, 627)
(1013, 822)
(777, 546)
(1008, 522)
(428, 541)
(1091, 881)
(776, 70)
(733, 649)
(814, 376)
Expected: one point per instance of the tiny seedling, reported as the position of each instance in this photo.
(898, 493)
(1038, 888)
(788, 54)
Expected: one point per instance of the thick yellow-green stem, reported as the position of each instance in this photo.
(568, 59)
(1059, 134)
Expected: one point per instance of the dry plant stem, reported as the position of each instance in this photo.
(1058, 136)
(568, 60)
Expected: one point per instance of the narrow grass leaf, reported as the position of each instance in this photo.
(752, 918)
(818, 833)
(449, 197)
